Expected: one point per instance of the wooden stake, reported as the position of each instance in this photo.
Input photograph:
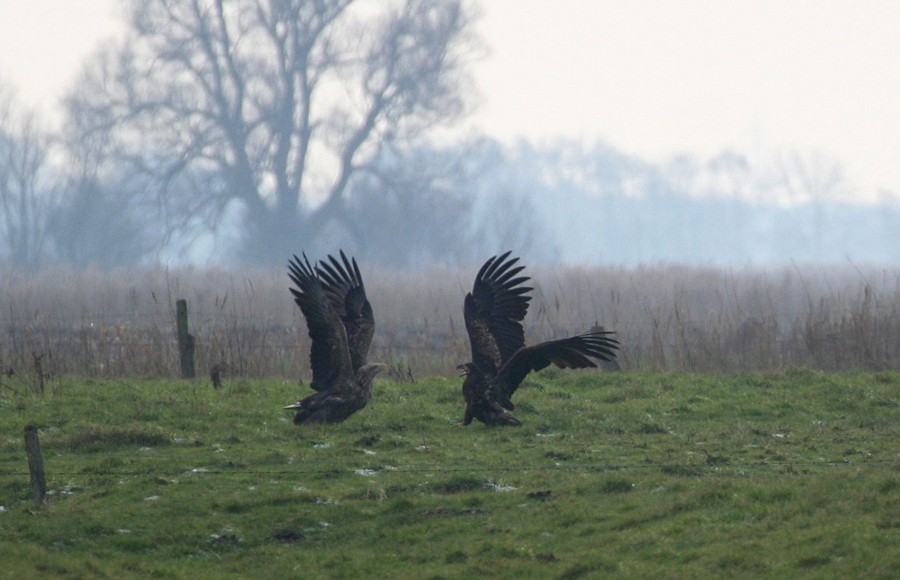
(35, 464)
(185, 341)
(39, 372)
(215, 374)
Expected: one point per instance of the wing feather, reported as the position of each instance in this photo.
(566, 353)
(343, 284)
(494, 311)
(329, 356)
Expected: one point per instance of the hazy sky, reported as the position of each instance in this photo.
(651, 77)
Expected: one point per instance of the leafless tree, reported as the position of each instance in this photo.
(270, 108)
(25, 193)
(509, 222)
(815, 180)
(94, 226)
(414, 208)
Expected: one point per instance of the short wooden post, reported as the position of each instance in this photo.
(215, 374)
(39, 372)
(35, 464)
(185, 341)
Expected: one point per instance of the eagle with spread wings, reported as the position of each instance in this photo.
(493, 313)
(339, 318)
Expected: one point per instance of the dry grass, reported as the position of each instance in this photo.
(667, 317)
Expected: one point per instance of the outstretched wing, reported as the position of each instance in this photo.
(494, 310)
(329, 356)
(566, 353)
(344, 287)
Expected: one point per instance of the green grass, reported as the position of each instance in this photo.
(784, 475)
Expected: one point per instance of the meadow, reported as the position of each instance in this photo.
(751, 433)
(787, 474)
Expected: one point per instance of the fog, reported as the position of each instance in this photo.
(188, 140)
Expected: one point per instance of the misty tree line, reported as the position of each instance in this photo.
(598, 205)
(248, 130)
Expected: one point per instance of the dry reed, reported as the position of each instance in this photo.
(670, 317)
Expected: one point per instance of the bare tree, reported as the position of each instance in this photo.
(814, 178)
(415, 207)
(276, 103)
(93, 226)
(25, 193)
(817, 181)
(509, 221)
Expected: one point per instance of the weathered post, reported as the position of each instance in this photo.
(185, 340)
(35, 464)
(39, 373)
(215, 374)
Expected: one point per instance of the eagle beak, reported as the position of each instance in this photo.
(463, 370)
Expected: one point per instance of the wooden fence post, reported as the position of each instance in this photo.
(35, 464)
(185, 341)
(39, 372)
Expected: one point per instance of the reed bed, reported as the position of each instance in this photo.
(667, 317)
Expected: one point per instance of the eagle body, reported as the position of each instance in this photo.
(478, 404)
(339, 318)
(336, 406)
(493, 313)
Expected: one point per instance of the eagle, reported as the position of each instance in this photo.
(493, 313)
(339, 318)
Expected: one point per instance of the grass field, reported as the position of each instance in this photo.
(788, 474)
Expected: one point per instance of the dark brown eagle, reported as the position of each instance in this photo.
(493, 312)
(339, 318)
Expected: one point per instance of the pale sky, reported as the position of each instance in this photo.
(651, 77)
